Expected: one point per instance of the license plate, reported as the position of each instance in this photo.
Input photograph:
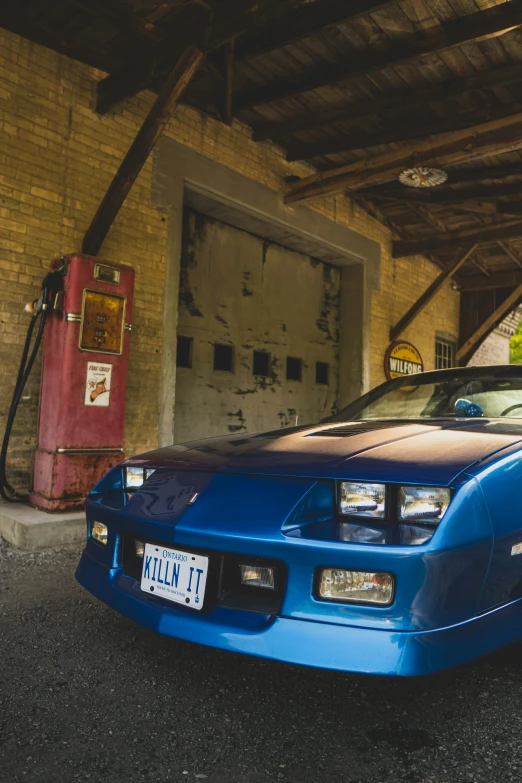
(177, 576)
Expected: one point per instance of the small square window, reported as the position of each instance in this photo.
(262, 362)
(321, 373)
(184, 352)
(293, 368)
(223, 357)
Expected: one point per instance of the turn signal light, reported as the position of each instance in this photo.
(99, 532)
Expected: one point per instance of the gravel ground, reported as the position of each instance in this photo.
(89, 695)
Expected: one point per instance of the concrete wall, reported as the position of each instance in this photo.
(57, 157)
(252, 294)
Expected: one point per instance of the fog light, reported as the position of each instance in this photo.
(257, 576)
(140, 548)
(99, 532)
(361, 587)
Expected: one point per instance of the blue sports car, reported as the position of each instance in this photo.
(386, 539)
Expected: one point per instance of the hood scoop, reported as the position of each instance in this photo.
(345, 430)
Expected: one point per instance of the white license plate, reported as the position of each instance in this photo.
(177, 576)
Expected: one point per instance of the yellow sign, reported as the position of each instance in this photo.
(402, 358)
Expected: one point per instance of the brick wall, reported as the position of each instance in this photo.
(57, 158)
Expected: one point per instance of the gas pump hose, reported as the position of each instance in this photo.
(52, 282)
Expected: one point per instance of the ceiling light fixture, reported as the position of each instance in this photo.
(422, 177)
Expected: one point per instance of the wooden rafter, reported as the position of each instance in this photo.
(509, 279)
(197, 26)
(436, 243)
(468, 348)
(405, 129)
(429, 293)
(141, 147)
(473, 27)
(449, 148)
(511, 252)
(403, 101)
(448, 195)
(308, 19)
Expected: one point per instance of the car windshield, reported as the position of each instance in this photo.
(445, 394)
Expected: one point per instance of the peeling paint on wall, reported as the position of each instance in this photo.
(277, 301)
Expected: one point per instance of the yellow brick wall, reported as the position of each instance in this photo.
(57, 158)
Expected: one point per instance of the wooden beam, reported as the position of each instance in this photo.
(473, 174)
(140, 148)
(448, 195)
(429, 293)
(404, 130)
(489, 138)
(306, 20)
(435, 242)
(388, 103)
(472, 27)
(468, 348)
(511, 252)
(229, 81)
(509, 279)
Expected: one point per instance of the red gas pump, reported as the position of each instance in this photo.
(84, 374)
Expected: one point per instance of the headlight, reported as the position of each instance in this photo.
(362, 500)
(134, 477)
(423, 504)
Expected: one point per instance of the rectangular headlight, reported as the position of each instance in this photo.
(362, 500)
(360, 587)
(134, 478)
(257, 576)
(423, 504)
(99, 532)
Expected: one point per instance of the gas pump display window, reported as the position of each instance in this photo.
(103, 322)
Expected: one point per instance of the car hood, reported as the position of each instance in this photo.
(415, 451)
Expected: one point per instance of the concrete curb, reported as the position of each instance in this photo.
(31, 529)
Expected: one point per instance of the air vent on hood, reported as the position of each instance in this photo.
(344, 430)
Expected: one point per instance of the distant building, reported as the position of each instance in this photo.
(495, 349)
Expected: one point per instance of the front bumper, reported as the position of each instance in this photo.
(309, 643)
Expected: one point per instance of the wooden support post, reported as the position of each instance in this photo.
(141, 147)
(428, 294)
(229, 81)
(470, 346)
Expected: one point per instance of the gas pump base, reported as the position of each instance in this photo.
(60, 478)
(32, 530)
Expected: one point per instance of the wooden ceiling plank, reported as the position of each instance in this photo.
(403, 100)
(448, 148)
(429, 293)
(468, 348)
(305, 21)
(473, 27)
(511, 252)
(141, 147)
(404, 130)
(435, 242)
